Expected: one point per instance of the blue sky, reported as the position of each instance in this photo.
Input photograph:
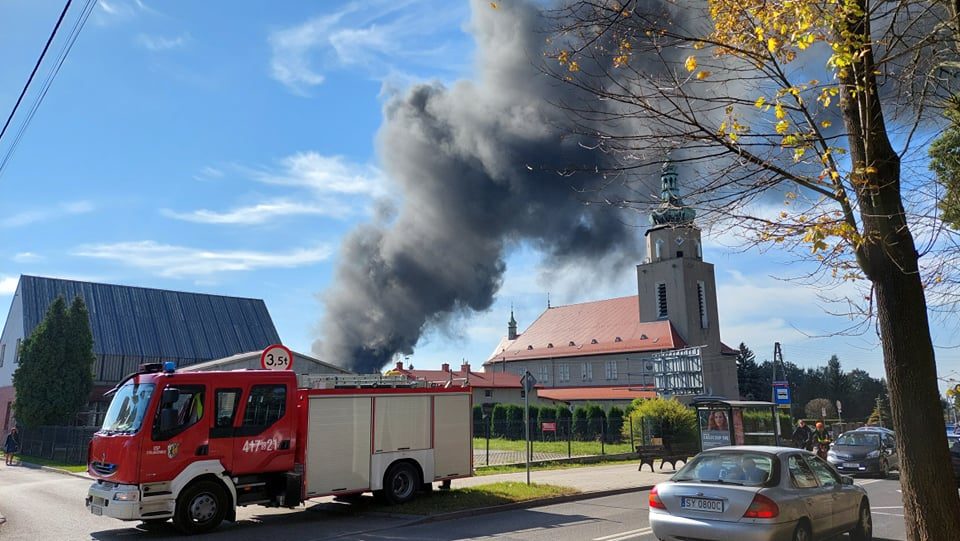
(228, 148)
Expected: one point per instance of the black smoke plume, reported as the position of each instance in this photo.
(476, 165)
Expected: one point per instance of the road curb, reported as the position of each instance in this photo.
(528, 504)
(56, 470)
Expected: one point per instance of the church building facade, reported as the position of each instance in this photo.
(665, 338)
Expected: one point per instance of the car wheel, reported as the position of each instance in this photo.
(802, 532)
(864, 528)
(200, 507)
(401, 483)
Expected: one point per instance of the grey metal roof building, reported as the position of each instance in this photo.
(133, 325)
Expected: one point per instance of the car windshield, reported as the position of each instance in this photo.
(128, 407)
(859, 439)
(740, 468)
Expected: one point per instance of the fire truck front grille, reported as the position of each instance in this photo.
(104, 468)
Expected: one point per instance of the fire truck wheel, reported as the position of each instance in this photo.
(200, 507)
(401, 483)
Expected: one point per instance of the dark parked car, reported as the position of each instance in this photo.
(954, 442)
(865, 451)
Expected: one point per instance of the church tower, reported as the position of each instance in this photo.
(676, 284)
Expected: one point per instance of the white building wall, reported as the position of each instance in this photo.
(12, 331)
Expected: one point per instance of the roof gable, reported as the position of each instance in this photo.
(154, 323)
(590, 328)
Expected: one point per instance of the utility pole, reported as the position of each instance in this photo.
(777, 357)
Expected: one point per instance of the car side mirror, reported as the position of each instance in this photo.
(846, 480)
(170, 396)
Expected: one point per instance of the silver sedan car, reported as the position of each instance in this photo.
(757, 493)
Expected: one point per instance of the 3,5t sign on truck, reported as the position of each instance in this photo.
(193, 446)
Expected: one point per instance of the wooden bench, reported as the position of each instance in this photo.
(649, 453)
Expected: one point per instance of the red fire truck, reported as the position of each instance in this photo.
(193, 446)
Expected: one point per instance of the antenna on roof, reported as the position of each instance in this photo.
(548, 300)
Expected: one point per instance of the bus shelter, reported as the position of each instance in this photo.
(736, 422)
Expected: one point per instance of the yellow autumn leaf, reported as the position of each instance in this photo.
(493, 5)
(782, 126)
(574, 66)
(701, 75)
(772, 44)
(691, 63)
(760, 101)
(871, 170)
(778, 110)
(826, 124)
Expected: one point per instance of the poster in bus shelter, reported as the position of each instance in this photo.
(714, 429)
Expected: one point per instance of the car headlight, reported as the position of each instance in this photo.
(831, 454)
(873, 454)
(126, 496)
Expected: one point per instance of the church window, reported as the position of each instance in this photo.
(564, 372)
(586, 371)
(611, 369)
(661, 300)
(699, 249)
(658, 249)
(543, 372)
(702, 298)
(16, 352)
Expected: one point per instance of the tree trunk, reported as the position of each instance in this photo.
(889, 259)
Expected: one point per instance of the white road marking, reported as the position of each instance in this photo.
(886, 514)
(623, 536)
(869, 481)
(889, 507)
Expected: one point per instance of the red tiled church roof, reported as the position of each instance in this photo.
(590, 328)
(462, 377)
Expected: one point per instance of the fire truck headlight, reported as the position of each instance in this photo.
(126, 496)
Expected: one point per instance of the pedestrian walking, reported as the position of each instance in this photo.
(11, 446)
(802, 436)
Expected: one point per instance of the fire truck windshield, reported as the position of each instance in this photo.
(128, 407)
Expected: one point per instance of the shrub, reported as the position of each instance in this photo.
(596, 422)
(580, 423)
(663, 418)
(614, 424)
(499, 421)
(514, 425)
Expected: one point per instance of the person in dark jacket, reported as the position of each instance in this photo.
(11, 446)
(802, 436)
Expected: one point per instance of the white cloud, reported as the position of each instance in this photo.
(325, 175)
(8, 284)
(33, 216)
(27, 257)
(209, 173)
(180, 261)
(267, 212)
(336, 188)
(110, 11)
(377, 36)
(161, 43)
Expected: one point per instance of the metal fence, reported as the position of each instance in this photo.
(503, 442)
(65, 444)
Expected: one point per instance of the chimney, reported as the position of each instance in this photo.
(399, 365)
(445, 367)
(465, 367)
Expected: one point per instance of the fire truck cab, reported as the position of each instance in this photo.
(193, 446)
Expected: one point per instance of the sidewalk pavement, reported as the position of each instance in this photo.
(591, 480)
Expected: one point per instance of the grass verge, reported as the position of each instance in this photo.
(44, 462)
(459, 499)
(558, 447)
(541, 466)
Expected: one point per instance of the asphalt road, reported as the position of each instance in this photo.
(45, 505)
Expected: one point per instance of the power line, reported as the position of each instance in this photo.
(45, 87)
(35, 68)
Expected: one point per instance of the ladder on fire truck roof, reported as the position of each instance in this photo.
(355, 381)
